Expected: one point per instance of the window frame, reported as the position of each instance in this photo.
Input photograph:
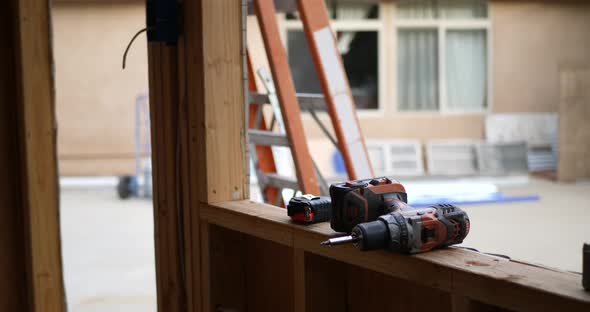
(377, 25)
(442, 26)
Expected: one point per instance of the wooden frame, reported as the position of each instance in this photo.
(216, 250)
(30, 264)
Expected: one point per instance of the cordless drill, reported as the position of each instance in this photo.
(409, 230)
(358, 201)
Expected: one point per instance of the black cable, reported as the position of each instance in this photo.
(131, 42)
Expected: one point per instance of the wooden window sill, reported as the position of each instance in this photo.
(488, 279)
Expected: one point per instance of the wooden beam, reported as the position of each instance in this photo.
(197, 103)
(484, 278)
(165, 124)
(13, 285)
(31, 250)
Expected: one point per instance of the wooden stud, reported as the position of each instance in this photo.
(30, 236)
(198, 142)
(205, 268)
(165, 163)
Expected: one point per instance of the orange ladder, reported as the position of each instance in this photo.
(287, 106)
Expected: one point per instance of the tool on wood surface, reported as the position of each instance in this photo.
(376, 214)
(410, 230)
(359, 201)
(586, 266)
(309, 208)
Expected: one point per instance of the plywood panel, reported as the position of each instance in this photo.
(326, 284)
(574, 130)
(227, 251)
(248, 273)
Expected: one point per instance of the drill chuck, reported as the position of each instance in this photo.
(371, 235)
(367, 236)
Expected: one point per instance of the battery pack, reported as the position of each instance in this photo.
(309, 208)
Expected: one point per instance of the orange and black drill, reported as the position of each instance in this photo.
(354, 202)
(400, 227)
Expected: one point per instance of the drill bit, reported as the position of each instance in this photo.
(340, 240)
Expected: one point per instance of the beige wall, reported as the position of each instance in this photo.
(95, 98)
(531, 41)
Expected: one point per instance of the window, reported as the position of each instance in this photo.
(357, 26)
(442, 55)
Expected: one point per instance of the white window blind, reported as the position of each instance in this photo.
(418, 69)
(442, 55)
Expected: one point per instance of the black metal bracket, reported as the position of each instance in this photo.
(164, 21)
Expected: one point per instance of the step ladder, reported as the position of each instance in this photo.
(287, 106)
(262, 135)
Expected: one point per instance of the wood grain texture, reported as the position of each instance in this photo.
(463, 304)
(269, 276)
(248, 273)
(13, 285)
(38, 147)
(483, 278)
(223, 130)
(326, 284)
(227, 270)
(197, 110)
(372, 291)
(165, 163)
(299, 282)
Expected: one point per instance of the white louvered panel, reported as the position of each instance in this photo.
(396, 157)
(502, 158)
(452, 157)
(406, 157)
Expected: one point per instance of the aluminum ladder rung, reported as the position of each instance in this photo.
(260, 137)
(307, 101)
(280, 182)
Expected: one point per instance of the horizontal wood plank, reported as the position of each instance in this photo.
(484, 278)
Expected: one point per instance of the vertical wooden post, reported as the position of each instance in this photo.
(198, 143)
(30, 264)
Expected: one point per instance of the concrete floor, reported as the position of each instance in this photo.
(548, 232)
(108, 250)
